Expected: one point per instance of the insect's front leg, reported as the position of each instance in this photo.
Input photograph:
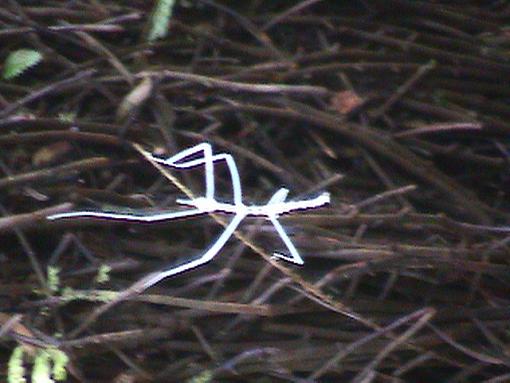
(179, 161)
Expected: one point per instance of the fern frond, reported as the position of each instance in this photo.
(41, 372)
(15, 369)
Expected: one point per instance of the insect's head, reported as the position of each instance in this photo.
(201, 203)
(279, 196)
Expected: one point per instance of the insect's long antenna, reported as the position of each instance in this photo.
(294, 254)
(215, 248)
(137, 217)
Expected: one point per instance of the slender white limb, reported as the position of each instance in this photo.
(176, 161)
(156, 277)
(208, 160)
(294, 254)
(128, 216)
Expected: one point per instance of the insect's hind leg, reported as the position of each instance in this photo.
(294, 256)
(156, 277)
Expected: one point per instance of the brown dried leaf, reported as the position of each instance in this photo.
(345, 101)
(50, 154)
(135, 98)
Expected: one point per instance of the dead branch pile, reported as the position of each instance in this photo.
(398, 108)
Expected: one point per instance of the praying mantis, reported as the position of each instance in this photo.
(202, 155)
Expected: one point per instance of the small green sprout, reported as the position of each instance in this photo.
(103, 274)
(15, 369)
(49, 366)
(41, 372)
(67, 116)
(204, 377)
(69, 294)
(53, 278)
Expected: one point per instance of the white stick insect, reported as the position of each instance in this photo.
(202, 154)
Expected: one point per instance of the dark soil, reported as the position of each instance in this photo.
(397, 108)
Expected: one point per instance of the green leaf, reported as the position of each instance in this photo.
(15, 370)
(160, 19)
(19, 61)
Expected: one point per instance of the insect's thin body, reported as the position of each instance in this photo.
(279, 208)
(275, 207)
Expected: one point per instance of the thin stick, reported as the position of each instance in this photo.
(240, 86)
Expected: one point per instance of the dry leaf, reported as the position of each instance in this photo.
(50, 154)
(345, 102)
(135, 98)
